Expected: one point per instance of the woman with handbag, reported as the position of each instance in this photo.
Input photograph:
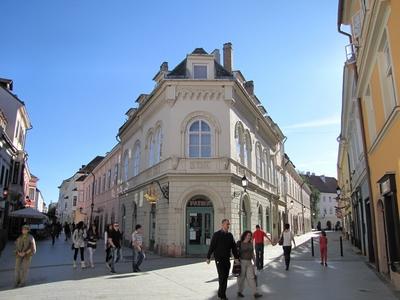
(287, 237)
(78, 242)
(246, 256)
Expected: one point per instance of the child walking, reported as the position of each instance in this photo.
(323, 247)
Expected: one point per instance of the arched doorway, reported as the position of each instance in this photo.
(245, 214)
(260, 217)
(382, 244)
(134, 216)
(123, 220)
(199, 225)
(267, 221)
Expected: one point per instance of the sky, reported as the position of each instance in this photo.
(79, 65)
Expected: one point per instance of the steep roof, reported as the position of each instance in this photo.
(322, 183)
(180, 70)
(91, 165)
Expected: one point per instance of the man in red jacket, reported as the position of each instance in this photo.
(258, 237)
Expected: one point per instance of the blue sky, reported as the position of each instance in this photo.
(79, 65)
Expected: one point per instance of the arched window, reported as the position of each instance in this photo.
(158, 145)
(136, 159)
(239, 142)
(259, 170)
(134, 216)
(199, 139)
(150, 145)
(126, 165)
(123, 218)
(247, 150)
(273, 170)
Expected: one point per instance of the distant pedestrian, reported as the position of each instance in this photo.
(59, 229)
(222, 244)
(25, 248)
(114, 239)
(67, 231)
(107, 246)
(137, 245)
(259, 236)
(246, 255)
(92, 236)
(53, 233)
(78, 240)
(323, 248)
(288, 238)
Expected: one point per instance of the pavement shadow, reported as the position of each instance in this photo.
(54, 264)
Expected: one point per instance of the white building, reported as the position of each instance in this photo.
(185, 149)
(327, 206)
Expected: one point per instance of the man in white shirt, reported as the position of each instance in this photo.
(137, 245)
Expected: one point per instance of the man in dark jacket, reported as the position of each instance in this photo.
(222, 243)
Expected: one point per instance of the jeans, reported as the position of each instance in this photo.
(82, 250)
(259, 256)
(137, 259)
(91, 251)
(286, 253)
(115, 255)
(223, 267)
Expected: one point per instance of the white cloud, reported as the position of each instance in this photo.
(328, 121)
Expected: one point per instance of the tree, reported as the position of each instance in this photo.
(314, 200)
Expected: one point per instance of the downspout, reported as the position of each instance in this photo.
(359, 107)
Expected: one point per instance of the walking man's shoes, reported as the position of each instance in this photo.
(257, 295)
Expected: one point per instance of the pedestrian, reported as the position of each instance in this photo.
(137, 245)
(67, 231)
(92, 242)
(25, 248)
(59, 229)
(114, 239)
(246, 256)
(222, 244)
(78, 240)
(287, 238)
(53, 233)
(259, 236)
(107, 246)
(323, 247)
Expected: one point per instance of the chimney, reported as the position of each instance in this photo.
(164, 66)
(217, 56)
(249, 87)
(308, 173)
(228, 57)
(313, 174)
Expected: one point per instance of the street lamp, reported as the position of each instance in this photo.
(291, 204)
(245, 183)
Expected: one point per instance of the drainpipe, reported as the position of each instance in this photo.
(363, 135)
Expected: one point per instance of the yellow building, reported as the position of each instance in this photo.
(375, 52)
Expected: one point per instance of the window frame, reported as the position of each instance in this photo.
(200, 133)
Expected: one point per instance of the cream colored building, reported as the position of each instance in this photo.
(185, 149)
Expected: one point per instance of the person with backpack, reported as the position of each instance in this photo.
(246, 256)
(78, 240)
(25, 248)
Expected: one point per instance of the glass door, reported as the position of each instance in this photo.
(199, 229)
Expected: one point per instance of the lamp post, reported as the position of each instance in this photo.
(92, 205)
(245, 183)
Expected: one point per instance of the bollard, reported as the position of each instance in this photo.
(312, 246)
(341, 246)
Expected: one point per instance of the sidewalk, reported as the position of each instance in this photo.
(191, 278)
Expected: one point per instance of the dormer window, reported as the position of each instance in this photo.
(200, 72)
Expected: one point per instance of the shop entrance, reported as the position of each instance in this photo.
(199, 225)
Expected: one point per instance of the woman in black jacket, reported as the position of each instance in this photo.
(92, 237)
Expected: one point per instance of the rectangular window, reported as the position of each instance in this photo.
(116, 174)
(370, 115)
(32, 194)
(16, 173)
(386, 75)
(74, 201)
(99, 186)
(7, 178)
(109, 179)
(104, 183)
(2, 175)
(200, 72)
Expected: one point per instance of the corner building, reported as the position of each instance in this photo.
(185, 149)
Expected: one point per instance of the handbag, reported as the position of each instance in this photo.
(236, 269)
(281, 241)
